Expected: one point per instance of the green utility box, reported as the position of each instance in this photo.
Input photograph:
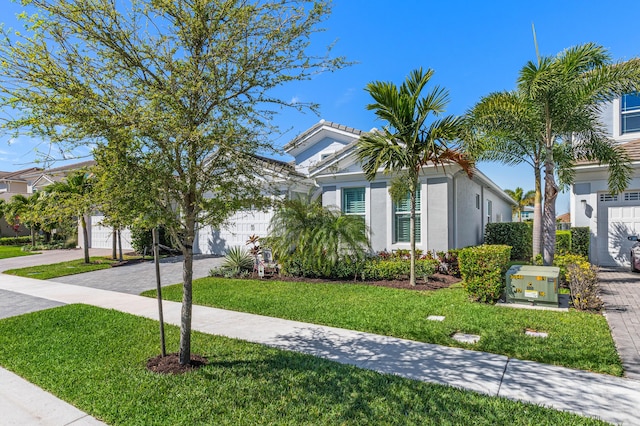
(537, 285)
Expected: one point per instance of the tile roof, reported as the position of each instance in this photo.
(315, 127)
(633, 149)
(18, 174)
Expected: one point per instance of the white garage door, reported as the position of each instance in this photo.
(619, 217)
(101, 236)
(238, 230)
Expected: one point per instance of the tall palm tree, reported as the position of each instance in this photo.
(563, 96)
(319, 236)
(523, 200)
(503, 127)
(411, 139)
(75, 194)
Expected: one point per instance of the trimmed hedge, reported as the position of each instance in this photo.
(518, 235)
(15, 241)
(563, 242)
(483, 269)
(397, 269)
(580, 238)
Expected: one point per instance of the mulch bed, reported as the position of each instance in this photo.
(435, 282)
(170, 364)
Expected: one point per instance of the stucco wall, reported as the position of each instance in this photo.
(468, 220)
(439, 214)
(378, 217)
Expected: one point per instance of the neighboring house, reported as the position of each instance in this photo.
(563, 222)
(14, 183)
(612, 218)
(527, 214)
(452, 209)
(34, 179)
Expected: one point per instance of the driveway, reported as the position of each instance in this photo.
(136, 278)
(621, 295)
(11, 303)
(132, 279)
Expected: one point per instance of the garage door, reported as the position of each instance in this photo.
(619, 217)
(238, 230)
(101, 236)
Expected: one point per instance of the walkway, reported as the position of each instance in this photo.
(621, 296)
(610, 398)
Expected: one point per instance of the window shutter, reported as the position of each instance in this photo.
(353, 201)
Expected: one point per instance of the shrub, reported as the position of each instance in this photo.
(483, 269)
(237, 260)
(562, 261)
(583, 283)
(448, 262)
(141, 238)
(518, 235)
(396, 269)
(580, 237)
(563, 242)
(15, 241)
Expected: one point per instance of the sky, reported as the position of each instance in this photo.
(474, 47)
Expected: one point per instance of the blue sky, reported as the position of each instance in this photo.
(474, 47)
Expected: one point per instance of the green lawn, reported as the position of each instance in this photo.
(55, 270)
(98, 365)
(13, 251)
(576, 339)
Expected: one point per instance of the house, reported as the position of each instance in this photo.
(34, 179)
(523, 216)
(14, 183)
(563, 222)
(610, 217)
(452, 209)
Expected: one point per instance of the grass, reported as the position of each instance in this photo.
(98, 365)
(55, 270)
(12, 251)
(576, 339)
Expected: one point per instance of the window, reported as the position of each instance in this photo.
(630, 113)
(632, 196)
(608, 198)
(353, 201)
(402, 219)
(489, 210)
(478, 201)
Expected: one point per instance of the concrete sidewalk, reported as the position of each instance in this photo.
(609, 398)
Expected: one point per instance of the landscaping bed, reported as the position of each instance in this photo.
(435, 282)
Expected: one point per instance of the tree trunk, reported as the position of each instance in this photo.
(549, 217)
(412, 234)
(156, 260)
(537, 214)
(121, 258)
(33, 235)
(187, 291)
(85, 238)
(114, 243)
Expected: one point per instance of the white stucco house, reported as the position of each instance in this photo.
(452, 209)
(611, 218)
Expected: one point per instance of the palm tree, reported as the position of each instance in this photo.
(563, 97)
(318, 236)
(523, 200)
(408, 142)
(25, 208)
(503, 127)
(75, 192)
